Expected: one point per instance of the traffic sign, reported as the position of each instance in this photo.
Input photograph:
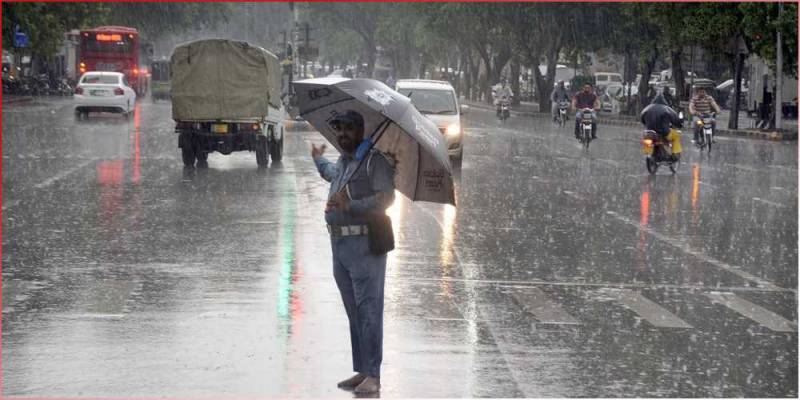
(21, 39)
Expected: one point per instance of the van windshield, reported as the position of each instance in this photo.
(431, 101)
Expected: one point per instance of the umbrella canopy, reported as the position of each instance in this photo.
(413, 142)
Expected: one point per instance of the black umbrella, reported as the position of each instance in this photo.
(395, 127)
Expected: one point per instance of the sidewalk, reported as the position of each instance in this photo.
(14, 99)
(532, 110)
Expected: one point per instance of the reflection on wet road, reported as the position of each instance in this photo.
(560, 273)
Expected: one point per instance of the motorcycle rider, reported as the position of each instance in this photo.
(701, 103)
(558, 95)
(661, 118)
(586, 98)
(503, 93)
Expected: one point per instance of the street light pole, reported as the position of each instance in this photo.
(779, 76)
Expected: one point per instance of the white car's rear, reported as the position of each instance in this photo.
(103, 92)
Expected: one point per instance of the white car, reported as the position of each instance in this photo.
(437, 100)
(103, 92)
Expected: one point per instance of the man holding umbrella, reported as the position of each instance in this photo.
(404, 151)
(359, 274)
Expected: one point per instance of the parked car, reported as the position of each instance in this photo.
(103, 92)
(437, 100)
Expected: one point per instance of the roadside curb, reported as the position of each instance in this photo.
(17, 100)
(752, 134)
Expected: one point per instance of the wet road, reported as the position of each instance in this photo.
(560, 273)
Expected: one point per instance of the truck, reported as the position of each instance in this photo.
(226, 97)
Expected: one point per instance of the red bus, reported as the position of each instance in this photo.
(112, 48)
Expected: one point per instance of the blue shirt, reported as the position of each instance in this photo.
(371, 189)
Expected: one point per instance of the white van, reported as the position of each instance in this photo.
(437, 100)
(603, 79)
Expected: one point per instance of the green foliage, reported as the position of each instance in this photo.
(760, 23)
(46, 23)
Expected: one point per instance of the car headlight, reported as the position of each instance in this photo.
(453, 130)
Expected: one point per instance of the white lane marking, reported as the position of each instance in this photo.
(752, 311)
(61, 175)
(680, 245)
(782, 189)
(536, 302)
(647, 309)
(573, 194)
(611, 162)
(771, 203)
(707, 184)
(532, 283)
(785, 168)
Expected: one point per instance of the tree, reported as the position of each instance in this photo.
(46, 23)
(360, 18)
(153, 19)
(761, 22)
(543, 31)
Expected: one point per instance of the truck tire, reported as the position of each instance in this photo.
(187, 149)
(276, 150)
(262, 154)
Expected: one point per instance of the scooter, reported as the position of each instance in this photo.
(562, 114)
(706, 123)
(505, 110)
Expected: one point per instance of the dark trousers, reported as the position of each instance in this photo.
(360, 277)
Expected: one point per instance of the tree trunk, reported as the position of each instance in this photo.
(485, 86)
(462, 64)
(733, 122)
(677, 74)
(644, 83)
(370, 58)
(515, 81)
(474, 68)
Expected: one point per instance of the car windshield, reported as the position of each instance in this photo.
(431, 101)
(102, 79)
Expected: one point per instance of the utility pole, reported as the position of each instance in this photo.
(307, 45)
(779, 76)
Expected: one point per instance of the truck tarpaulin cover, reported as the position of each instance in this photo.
(223, 79)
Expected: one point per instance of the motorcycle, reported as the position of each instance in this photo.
(63, 88)
(561, 118)
(706, 123)
(658, 152)
(505, 110)
(586, 127)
